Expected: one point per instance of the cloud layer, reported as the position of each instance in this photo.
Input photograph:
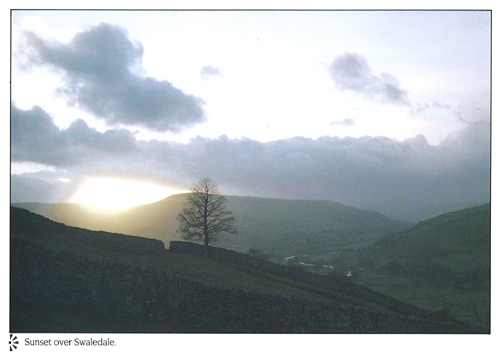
(354, 171)
(351, 72)
(98, 73)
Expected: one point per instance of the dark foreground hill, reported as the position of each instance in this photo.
(62, 282)
(279, 227)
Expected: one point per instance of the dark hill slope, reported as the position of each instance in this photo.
(30, 226)
(279, 227)
(457, 240)
(62, 281)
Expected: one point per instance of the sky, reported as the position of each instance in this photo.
(116, 108)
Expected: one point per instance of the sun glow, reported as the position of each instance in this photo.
(113, 194)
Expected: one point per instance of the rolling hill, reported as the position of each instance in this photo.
(67, 279)
(279, 227)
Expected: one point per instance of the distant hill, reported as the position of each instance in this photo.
(457, 240)
(418, 211)
(279, 227)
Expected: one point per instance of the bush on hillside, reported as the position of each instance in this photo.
(258, 253)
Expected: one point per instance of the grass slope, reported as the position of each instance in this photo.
(457, 240)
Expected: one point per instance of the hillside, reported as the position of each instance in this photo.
(66, 279)
(457, 240)
(443, 263)
(279, 227)
(418, 211)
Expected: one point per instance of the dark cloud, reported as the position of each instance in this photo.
(355, 171)
(351, 72)
(208, 70)
(97, 66)
(35, 138)
(111, 142)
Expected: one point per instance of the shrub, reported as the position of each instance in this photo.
(258, 253)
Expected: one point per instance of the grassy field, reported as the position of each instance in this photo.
(471, 305)
(468, 303)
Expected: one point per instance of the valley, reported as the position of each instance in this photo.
(441, 264)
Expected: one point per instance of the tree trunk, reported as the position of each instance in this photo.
(206, 246)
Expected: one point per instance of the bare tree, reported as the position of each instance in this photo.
(205, 215)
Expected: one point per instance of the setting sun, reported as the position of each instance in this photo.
(114, 194)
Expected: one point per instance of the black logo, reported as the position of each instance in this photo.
(13, 342)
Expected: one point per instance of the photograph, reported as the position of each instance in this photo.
(239, 171)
